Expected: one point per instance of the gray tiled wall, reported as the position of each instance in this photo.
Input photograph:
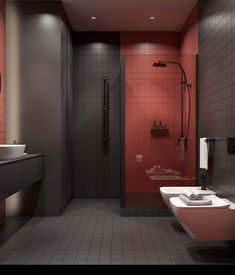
(96, 55)
(216, 80)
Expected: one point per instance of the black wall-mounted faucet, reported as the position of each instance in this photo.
(203, 182)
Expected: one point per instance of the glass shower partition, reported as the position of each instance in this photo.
(153, 157)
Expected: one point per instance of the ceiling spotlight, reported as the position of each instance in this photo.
(93, 17)
(152, 17)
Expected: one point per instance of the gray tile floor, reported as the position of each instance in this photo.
(92, 232)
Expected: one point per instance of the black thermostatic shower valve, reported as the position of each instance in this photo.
(231, 145)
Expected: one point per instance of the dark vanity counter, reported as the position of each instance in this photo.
(25, 157)
(17, 174)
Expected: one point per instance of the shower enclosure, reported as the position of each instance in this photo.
(160, 126)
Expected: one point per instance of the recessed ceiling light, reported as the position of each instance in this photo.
(152, 17)
(93, 17)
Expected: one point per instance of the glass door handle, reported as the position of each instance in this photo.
(105, 107)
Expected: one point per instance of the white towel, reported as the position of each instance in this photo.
(204, 151)
(189, 202)
(198, 195)
(190, 194)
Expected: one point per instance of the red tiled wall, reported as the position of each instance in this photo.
(135, 43)
(2, 94)
(189, 48)
(189, 34)
(150, 94)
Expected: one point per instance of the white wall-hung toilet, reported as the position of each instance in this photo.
(206, 222)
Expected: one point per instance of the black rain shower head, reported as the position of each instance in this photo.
(159, 64)
(163, 64)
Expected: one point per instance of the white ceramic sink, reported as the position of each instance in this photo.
(168, 192)
(11, 151)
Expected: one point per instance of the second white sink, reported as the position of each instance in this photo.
(11, 151)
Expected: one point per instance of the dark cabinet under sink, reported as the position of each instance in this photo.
(15, 175)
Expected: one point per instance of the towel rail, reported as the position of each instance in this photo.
(210, 140)
(215, 139)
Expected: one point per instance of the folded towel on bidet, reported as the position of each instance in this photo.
(188, 193)
(198, 195)
(189, 202)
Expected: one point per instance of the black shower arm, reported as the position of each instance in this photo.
(182, 70)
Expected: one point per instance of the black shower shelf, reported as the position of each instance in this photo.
(159, 131)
